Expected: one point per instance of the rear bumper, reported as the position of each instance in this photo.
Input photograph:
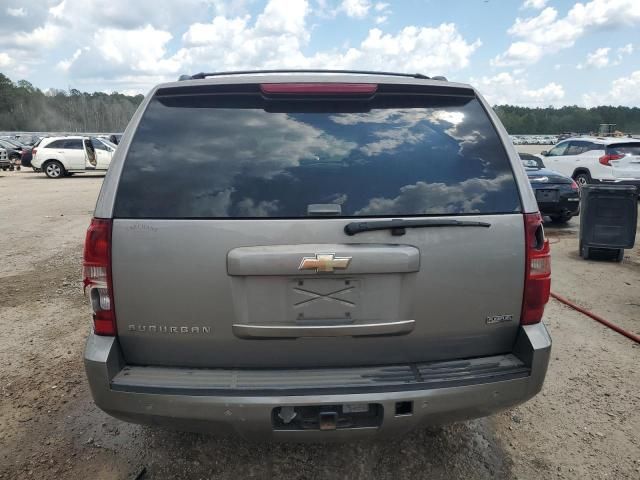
(251, 413)
(564, 207)
(567, 203)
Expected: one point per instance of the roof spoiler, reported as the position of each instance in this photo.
(203, 75)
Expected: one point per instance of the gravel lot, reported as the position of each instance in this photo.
(585, 423)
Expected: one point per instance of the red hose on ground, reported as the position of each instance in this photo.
(597, 318)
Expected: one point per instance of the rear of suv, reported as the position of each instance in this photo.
(317, 255)
(593, 160)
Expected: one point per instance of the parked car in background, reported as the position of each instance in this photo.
(5, 163)
(597, 160)
(64, 156)
(28, 140)
(25, 151)
(558, 195)
(14, 152)
(303, 279)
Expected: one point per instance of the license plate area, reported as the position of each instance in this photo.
(547, 195)
(327, 417)
(324, 300)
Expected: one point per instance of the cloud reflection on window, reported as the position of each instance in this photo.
(209, 162)
(437, 198)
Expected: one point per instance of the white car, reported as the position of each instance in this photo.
(597, 160)
(64, 156)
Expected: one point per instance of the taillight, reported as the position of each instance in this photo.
(537, 280)
(319, 88)
(97, 276)
(33, 152)
(605, 159)
(574, 186)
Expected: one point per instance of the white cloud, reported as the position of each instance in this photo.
(279, 35)
(599, 58)
(5, 60)
(518, 53)
(623, 91)
(537, 4)
(549, 34)
(512, 88)
(64, 65)
(418, 49)
(381, 19)
(40, 38)
(356, 8)
(57, 11)
(623, 52)
(16, 12)
(141, 50)
(131, 53)
(626, 50)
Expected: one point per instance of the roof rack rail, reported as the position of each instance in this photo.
(202, 75)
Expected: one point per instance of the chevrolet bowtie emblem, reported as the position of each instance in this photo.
(324, 262)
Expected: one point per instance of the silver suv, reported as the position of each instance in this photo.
(319, 255)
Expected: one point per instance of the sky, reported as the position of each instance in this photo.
(522, 52)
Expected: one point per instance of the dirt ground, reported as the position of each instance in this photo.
(584, 424)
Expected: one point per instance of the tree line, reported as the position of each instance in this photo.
(550, 120)
(24, 107)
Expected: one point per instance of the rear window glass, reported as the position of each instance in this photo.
(226, 156)
(630, 148)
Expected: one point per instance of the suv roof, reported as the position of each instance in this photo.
(70, 137)
(603, 140)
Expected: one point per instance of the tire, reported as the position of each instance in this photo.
(560, 218)
(582, 179)
(54, 169)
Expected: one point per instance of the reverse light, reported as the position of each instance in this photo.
(537, 280)
(97, 276)
(319, 88)
(605, 159)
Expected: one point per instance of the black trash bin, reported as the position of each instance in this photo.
(608, 217)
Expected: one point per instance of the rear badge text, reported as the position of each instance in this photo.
(499, 319)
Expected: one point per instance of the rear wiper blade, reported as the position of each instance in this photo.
(398, 225)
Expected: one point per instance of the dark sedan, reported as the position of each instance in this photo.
(558, 196)
(19, 150)
(13, 151)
